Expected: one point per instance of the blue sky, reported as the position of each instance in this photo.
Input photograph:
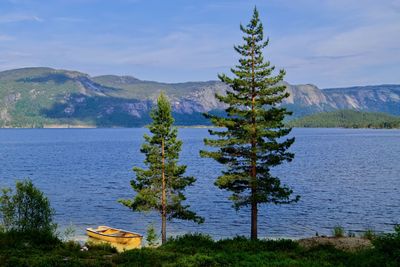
(329, 43)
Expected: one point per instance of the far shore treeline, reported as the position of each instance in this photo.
(347, 119)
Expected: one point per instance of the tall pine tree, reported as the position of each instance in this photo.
(252, 140)
(160, 187)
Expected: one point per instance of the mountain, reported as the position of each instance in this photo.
(36, 97)
(378, 98)
(308, 99)
(347, 119)
(43, 97)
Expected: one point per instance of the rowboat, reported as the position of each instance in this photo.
(115, 236)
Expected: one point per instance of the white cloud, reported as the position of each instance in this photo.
(361, 47)
(340, 43)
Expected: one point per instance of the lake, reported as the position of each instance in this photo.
(347, 177)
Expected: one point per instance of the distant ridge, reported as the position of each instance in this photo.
(373, 87)
(46, 97)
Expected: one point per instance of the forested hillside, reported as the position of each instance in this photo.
(45, 97)
(347, 119)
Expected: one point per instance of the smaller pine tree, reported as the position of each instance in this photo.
(160, 187)
(151, 236)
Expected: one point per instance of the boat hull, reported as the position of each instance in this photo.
(116, 236)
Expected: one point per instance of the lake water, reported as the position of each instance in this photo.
(345, 177)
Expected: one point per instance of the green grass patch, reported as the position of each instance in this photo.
(198, 250)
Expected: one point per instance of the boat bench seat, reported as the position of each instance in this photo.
(117, 234)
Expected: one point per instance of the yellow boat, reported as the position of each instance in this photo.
(116, 236)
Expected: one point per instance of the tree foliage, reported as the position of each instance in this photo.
(252, 140)
(151, 236)
(27, 210)
(161, 186)
(347, 119)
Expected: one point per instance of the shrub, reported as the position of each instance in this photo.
(71, 245)
(389, 244)
(26, 211)
(101, 246)
(369, 234)
(386, 251)
(241, 244)
(338, 231)
(151, 236)
(189, 243)
(7, 210)
(68, 233)
(147, 257)
(198, 260)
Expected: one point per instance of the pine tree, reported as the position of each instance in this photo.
(252, 140)
(160, 187)
(151, 236)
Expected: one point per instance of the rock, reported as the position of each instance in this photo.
(342, 243)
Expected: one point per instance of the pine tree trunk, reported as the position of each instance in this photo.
(254, 216)
(254, 208)
(163, 197)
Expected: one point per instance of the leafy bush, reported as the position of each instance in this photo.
(389, 244)
(7, 210)
(151, 236)
(68, 233)
(241, 244)
(338, 231)
(386, 251)
(151, 257)
(189, 243)
(369, 234)
(101, 246)
(26, 211)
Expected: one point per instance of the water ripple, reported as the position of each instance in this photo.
(346, 177)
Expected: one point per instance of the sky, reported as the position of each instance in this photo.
(329, 43)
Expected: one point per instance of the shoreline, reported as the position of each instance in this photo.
(344, 243)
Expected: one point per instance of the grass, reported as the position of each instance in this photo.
(338, 231)
(18, 249)
(197, 250)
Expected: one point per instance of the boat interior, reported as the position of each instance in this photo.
(105, 230)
